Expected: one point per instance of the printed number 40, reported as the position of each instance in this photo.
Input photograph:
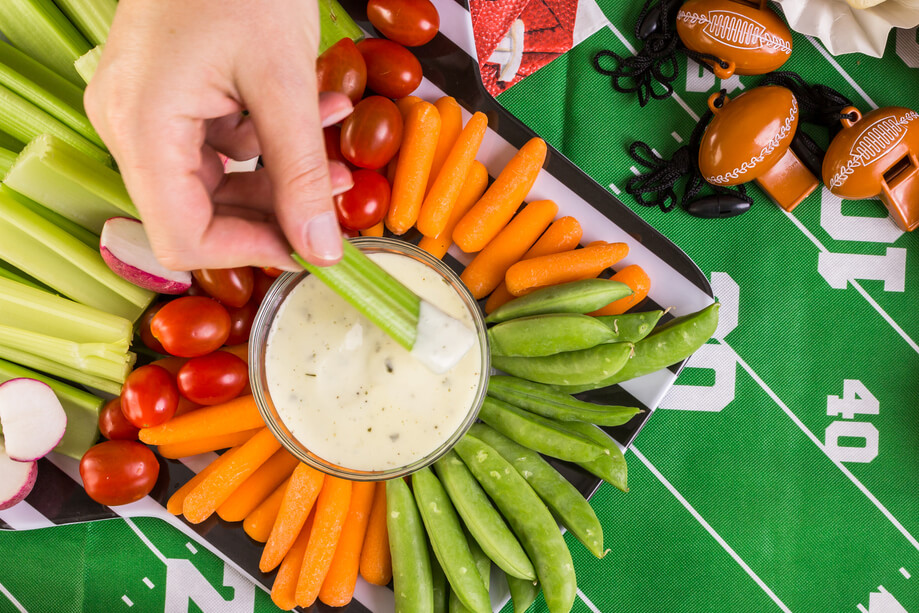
(856, 399)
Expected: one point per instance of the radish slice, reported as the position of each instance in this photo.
(126, 250)
(16, 479)
(32, 417)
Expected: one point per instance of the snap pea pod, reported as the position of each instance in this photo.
(674, 341)
(610, 466)
(413, 584)
(541, 335)
(537, 432)
(483, 565)
(441, 588)
(448, 541)
(529, 518)
(486, 525)
(523, 593)
(547, 401)
(631, 327)
(570, 368)
(574, 297)
(563, 499)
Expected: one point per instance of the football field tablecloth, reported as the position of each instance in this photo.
(781, 472)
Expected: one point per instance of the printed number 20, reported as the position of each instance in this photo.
(856, 399)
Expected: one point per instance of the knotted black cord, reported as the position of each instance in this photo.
(820, 105)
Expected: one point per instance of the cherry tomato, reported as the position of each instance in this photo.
(341, 68)
(241, 323)
(372, 133)
(392, 70)
(113, 425)
(364, 205)
(149, 396)
(262, 283)
(118, 472)
(191, 326)
(231, 286)
(274, 273)
(213, 379)
(332, 137)
(407, 22)
(143, 328)
(349, 233)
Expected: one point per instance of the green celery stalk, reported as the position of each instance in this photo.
(8, 142)
(71, 227)
(49, 366)
(14, 274)
(56, 175)
(335, 24)
(7, 158)
(92, 17)
(87, 63)
(43, 32)
(29, 308)
(81, 407)
(45, 89)
(63, 262)
(93, 358)
(24, 121)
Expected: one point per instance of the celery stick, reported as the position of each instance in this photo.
(49, 366)
(335, 24)
(71, 227)
(92, 17)
(14, 274)
(79, 356)
(24, 121)
(45, 89)
(56, 175)
(42, 31)
(10, 143)
(82, 409)
(87, 63)
(7, 158)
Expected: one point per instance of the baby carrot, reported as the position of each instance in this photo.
(284, 588)
(636, 278)
(451, 124)
(586, 263)
(241, 351)
(299, 498)
(419, 140)
(338, 587)
(258, 523)
(487, 269)
(435, 212)
(177, 500)
(174, 451)
(376, 563)
(563, 235)
(202, 501)
(331, 511)
(258, 487)
(404, 104)
(376, 230)
(496, 207)
(234, 416)
(473, 187)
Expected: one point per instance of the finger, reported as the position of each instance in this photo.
(234, 136)
(253, 189)
(231, 241)
(211, 169)
(333, 107)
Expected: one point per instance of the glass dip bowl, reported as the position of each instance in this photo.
(258, 369)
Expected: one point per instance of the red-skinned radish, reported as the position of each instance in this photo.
(126, 250)
(16, 479)
(32, 418)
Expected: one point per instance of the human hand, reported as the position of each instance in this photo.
(169, 94)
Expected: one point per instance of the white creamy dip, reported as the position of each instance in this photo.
(352, 395)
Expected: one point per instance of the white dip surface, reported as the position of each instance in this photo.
(351, 394)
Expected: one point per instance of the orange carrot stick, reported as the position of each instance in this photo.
(635, 277)
(376, 562)
(284, 589)
(563, 235)
(234, 416)
(376, 230)
(487, 269)
(451, 124)
(331, 512)
(177, 500)
(586, 263)
(241, 351)
(258, 487)
(259, 523)
(435, 212)
(174, 451)
(185, 406)
(473, 187)
(404, 104)
(419, 141)
(299, 498)
(496, 207)
(338, 587)
(202, 501)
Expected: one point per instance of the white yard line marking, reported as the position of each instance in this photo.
(615, 189)
(709, 529)
(676, 137)
(191, 548)
(12, 599)
(587, 601)
(127, 600)
(877, 503)
(146, 541)
(654, 151)
(845, 75)
(861, 608)
(148, 583)
(635, 171)
(904, 572)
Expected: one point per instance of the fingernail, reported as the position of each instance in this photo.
(340, 177)
(323, 237)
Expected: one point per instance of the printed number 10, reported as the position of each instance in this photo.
(856, 399)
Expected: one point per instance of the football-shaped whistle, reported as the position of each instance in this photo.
(749, 139)
(875, 156)
(749, 37)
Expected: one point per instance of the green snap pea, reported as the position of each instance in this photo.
(570, 368)
(486, 525)
(440, 586)
(523, 593)
(610, 466)
(413, 584)
(483, 565)
(537, 432)
(574, 297)
(563, 499)
(631, 327)
(547, 401)
(529, 518)
(541, 335)
(449, 542)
